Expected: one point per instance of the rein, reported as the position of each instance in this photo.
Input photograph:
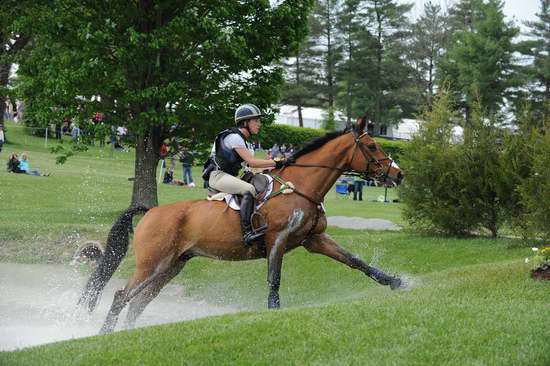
(289, 188)
(370, 159)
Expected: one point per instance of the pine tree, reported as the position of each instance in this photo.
(430, 35)
(538, 71)
(387, 21)
(480, 61)
(323, 29)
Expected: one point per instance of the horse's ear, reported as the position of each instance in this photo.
(360, 125)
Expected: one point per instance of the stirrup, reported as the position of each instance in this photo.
(251, 236)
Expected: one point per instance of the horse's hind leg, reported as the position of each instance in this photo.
(324, 244)
(140, 280)
(140, 302)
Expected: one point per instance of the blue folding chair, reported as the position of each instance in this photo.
(342, 190)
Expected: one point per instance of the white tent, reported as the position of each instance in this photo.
(312, 117)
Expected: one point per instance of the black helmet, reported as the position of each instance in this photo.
(246, 112)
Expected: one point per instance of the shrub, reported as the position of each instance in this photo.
(535, 188)
(432, 191)
(284, 135)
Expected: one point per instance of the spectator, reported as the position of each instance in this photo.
(274, 151)
(24, 165)
(13, 164)
(168, 176)
(75, 132)
(358, 184)
(101, 130)
(163, 153)
(1, 139)
(58, 126)
(186, 159)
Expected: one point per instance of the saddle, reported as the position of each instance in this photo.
(262, 183)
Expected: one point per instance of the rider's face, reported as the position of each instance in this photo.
(254, 125)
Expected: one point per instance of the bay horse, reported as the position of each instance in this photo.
(168, 236)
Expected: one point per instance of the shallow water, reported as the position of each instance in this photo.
(38, 306)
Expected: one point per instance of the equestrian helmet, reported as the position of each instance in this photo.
(246, 112)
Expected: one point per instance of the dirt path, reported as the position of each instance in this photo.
(361, 223)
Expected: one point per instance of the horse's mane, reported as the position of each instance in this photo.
(318, 142)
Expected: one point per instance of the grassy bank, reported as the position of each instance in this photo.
(487, 314)
(468, 302)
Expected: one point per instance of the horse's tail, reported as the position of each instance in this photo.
(115, 250)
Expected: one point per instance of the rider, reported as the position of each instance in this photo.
(231, 151)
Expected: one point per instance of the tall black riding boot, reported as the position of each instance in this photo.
(247, 207)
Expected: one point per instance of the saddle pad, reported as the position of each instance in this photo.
(232, 202)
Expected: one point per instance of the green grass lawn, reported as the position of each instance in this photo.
(468, 302)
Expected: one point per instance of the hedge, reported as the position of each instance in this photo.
(299, 136)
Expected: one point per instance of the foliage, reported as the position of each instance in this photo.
(480, 60)
(541, 258)
(329, 122)
(429, 38)
(283, 135)
(433, 192)
(156, 65)
(485, 178)
(537, 72)
(535, 188)
(394, 148)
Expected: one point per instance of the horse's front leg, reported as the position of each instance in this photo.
(275, 258)
(324, 244)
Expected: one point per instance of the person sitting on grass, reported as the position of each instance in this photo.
(24, 165)
(13, 164)
(169, 178)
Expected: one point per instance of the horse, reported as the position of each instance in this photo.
(168, 236)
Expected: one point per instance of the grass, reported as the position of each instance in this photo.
(469, 301)
(82, 198)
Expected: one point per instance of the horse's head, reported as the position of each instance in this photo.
(370, 159)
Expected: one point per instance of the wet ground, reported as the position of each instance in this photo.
(38, 306)
(38, 301)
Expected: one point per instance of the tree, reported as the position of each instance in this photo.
(11, 43)
(429, 39)
(537, 72)
(167, 66)
(351, 73)
(389, 25)
(300, 78)
(480, 62)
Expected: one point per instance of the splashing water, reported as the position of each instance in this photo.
(38, 306)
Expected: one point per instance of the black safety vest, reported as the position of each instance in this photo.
(226, 158)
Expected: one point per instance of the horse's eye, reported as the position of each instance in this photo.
(372, 147)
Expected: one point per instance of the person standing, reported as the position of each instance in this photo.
(358, 184)
(2, 139)
(186, 159)
(231, 151)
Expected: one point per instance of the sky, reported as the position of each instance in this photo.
(518, 10)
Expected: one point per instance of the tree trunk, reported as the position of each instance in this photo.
(4, 75)
(147, 157)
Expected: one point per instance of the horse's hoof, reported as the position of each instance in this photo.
(396, 283)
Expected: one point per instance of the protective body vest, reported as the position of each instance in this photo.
(226, 158)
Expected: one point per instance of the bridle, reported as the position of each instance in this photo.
(381, 172)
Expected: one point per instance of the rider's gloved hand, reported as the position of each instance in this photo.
(284, 162)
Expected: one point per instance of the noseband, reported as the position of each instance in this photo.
(380, 172)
